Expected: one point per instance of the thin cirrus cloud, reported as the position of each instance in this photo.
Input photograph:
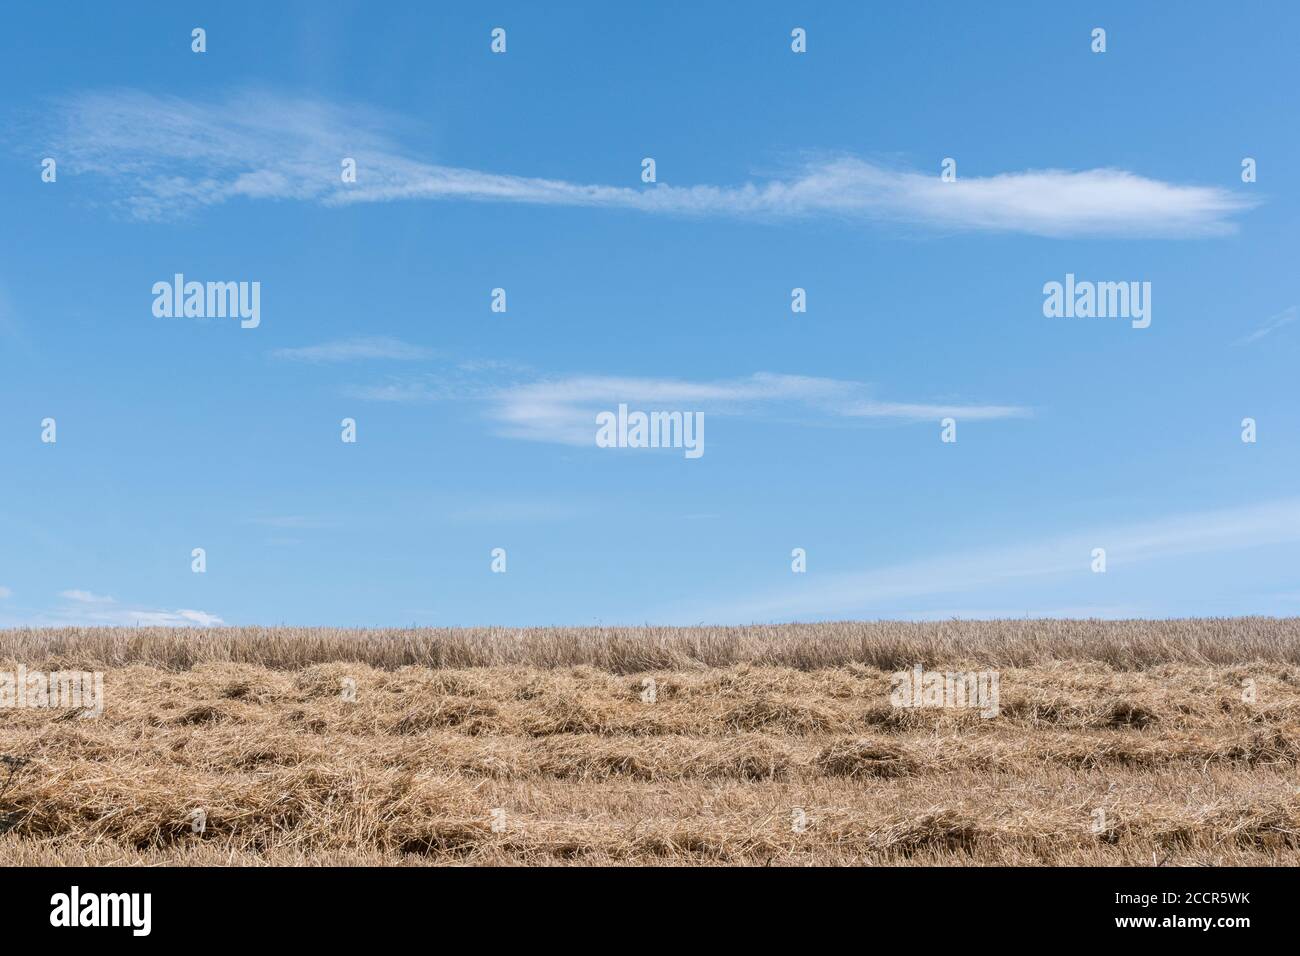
(170, 156)
(82, 616)
(858, 593)
(1285, 317)
(82, 608)
(86, 597)
(291, 522)
(375, 347)
(86, 608)
(563, 410)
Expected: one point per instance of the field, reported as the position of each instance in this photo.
(1126, 743)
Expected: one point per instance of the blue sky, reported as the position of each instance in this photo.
(522, 171)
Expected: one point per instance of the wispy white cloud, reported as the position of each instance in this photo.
(5, 593)
(171, 156)
(1080, 611)
(296, 522)
(468, 379)
(514, 511)
(100, 615)
(915, 412)
(82, 608)
(180, 618)
(356, 350)
(1285, 317)
(86, 597)
(865, 592)
(563, 410)
(425, 387)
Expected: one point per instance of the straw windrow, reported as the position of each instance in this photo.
(1112, 743)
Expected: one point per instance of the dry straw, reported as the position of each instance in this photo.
(1115, 743)
(885, 644)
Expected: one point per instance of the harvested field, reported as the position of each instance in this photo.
(1113, 743)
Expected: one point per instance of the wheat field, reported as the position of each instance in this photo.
(1114, 743)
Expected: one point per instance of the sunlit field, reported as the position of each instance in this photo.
(1127, 743)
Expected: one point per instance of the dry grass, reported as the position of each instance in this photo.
(1143, 721)
(888, 645)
